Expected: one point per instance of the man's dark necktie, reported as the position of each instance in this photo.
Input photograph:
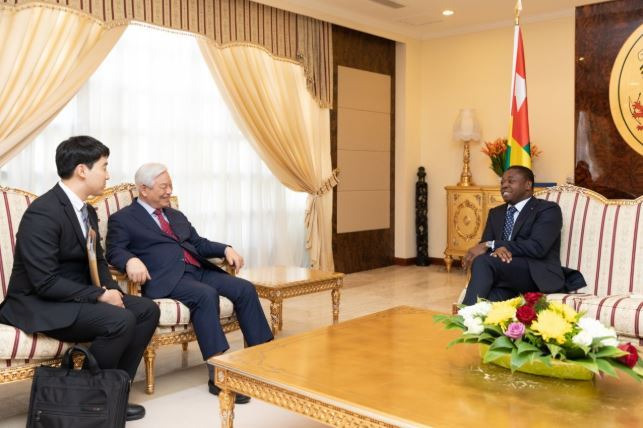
(165, 227)
(85, 216)
(509, 223)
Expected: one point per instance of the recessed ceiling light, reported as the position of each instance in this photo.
(447, 12)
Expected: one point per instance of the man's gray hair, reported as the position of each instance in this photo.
(147, 173)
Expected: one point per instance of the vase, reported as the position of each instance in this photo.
(558, 369)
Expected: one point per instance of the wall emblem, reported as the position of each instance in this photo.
(626, 91)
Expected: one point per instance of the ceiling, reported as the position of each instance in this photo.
(423, 19)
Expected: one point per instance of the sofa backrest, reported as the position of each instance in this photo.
(601, 238)
(13, 204)
(113, 199)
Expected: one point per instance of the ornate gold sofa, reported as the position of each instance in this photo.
(603, 239)
(174, 323)
(20, 353)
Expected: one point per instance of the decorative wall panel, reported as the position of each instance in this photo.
(365, 249)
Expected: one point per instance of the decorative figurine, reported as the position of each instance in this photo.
(421, 225)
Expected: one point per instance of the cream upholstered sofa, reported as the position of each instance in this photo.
(603, 239)
(174, 323)
(20, 353)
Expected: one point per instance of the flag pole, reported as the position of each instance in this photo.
(518, 147)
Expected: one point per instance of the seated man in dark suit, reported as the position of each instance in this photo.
(520, 247)
(51, 289)
(157, 246)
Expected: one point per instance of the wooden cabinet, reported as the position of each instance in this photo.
(467, 209)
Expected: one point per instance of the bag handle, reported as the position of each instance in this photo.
(90, 361)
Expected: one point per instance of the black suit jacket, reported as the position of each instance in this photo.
(131, 232)
(535, 237)
(50, 273)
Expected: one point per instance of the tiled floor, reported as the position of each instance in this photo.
(181, 396)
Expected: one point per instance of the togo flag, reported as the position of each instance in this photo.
(518, 150)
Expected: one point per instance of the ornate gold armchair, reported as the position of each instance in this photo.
(174, 323)
(20, 353)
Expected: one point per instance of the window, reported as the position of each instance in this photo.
(153, 100)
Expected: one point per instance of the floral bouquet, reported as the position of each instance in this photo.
(497, 151)
(529, 329)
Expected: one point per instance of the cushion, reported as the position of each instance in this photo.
(18, 345)
(622, 311)
(175, 313)
(163, 329)
(601, 240)
(571, 299)
(172, 329)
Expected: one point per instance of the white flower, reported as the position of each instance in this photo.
(611, 341)
(595, 329)
(583, 338)
(479, 309)
(473, 325)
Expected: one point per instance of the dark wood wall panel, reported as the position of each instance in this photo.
(604, 161)
(357, 251)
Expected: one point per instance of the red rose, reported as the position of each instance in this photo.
(633, 356)
(526, 314)
(532, 298)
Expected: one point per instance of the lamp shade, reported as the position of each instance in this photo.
(466, 126)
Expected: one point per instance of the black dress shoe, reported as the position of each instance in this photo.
(239, 398)
(134, 412)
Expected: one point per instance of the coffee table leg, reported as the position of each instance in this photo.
(276, 309)
(226, 405)
(335, 296)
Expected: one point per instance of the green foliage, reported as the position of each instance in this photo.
(530, 348)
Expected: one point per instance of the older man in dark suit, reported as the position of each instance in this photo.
(157, 246)
(51, 290)
(520, 247)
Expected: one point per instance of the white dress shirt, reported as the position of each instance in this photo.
(519, 206)
(77, 203)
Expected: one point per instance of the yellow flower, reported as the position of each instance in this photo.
(501, 313)
(566, 311)
(515, 302)
(551, 325)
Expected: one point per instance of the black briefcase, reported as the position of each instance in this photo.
(86, 398)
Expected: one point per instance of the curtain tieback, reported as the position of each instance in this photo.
(311, 214)
(328, 184)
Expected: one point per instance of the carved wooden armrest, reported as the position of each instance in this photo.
(133, 288)
(223, 264)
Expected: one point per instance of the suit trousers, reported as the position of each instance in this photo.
(118, 336)
(199, 289)
(495, 280)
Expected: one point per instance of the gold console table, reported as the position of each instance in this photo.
(467, 208)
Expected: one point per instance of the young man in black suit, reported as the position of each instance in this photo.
(51, 290)
(520, 247)
(157, 246)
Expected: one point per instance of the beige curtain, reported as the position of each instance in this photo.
(286, 126)
(46, 54)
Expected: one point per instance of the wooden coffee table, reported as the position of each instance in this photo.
(392, 368)
(277, 283)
